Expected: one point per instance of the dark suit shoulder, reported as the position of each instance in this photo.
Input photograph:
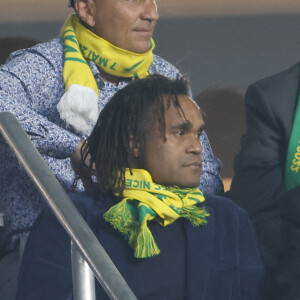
(274, 98)
(225, 209)
(220, 203)
(287, 80)
(91, 207)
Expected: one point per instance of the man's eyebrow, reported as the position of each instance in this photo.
(186, 126)
(183, 126)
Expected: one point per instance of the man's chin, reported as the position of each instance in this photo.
(188, 184)
(141, 47)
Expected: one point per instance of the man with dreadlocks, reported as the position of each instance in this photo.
(57, 89)
(167, 239)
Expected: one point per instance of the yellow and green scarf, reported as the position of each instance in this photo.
(78, 106)
(144, 201)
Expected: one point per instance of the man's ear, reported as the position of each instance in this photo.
(85, 10)
(136, 152)
(134, 147)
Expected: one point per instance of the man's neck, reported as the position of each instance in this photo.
(110, 78)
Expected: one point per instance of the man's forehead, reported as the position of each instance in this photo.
(184, 110)
(195, 103)
(183, 102)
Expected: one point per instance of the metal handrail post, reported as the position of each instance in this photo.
(63, 208)
(83, 277)
(1, 219)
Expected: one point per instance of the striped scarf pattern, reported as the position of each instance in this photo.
(145, 201)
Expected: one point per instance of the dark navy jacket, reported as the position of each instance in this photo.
(219, 261)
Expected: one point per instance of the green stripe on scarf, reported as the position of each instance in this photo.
(292, 166)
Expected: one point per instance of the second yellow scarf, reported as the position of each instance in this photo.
(78, 106)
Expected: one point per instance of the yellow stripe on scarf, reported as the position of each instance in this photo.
(78, 107)
(81, 44)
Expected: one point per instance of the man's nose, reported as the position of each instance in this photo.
(194, 145)
(150, 11)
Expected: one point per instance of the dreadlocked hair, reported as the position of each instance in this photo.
(123, 124)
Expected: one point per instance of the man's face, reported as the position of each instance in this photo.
(176, 161)
(127, 24)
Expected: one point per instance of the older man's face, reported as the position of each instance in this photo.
(127, 24)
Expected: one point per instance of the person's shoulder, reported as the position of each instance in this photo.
(53, 46)
(279, 80)
(224, 208)
(222, 202)
(163, 67)
(92, 205)
(52, 51)
(82, 200)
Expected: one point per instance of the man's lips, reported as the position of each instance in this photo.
(147, 33)
(194, 164)
(144, 29)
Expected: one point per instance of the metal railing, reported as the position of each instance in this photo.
(67, 214)
(1, 219)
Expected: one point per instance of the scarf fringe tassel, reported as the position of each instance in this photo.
(197, 216)
(139, 237)
(145, 244)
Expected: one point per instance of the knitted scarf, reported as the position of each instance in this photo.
(78, 106)
(292, 166)
(144, 201)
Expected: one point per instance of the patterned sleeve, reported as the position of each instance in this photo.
(30, 87)
(210, 181)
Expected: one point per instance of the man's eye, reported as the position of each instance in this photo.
(180, 133)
